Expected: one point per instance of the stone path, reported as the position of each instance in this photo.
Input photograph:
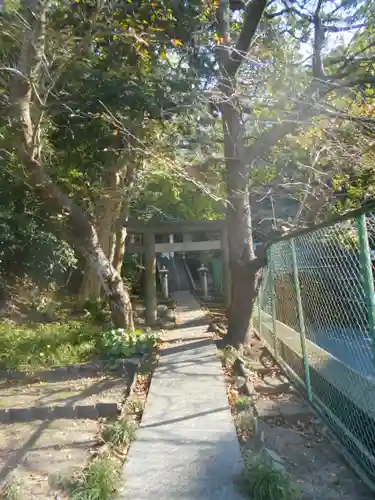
(186, 447)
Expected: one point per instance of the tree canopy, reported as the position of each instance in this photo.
(261, 112)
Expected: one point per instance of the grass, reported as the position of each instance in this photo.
(120, 433)
(134, 405)
(242, 403)
(98, 481)
(262, 481)
(11, 490)
(227, 356)
(68, 333)
(44, 345)
(39, 346)
(246, 424)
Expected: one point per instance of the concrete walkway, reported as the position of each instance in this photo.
(186, 447)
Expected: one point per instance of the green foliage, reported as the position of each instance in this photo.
(41, 346)
(119, 93)
(32, 347)
(246, 422)
(242, 403)
(97, 311)
(119, 343)
(12, 490)
(131, 270)
(28, 245)
(170, 197)
(98, 481)
(136, 94)
(120, 433)
(227, 356)
(125, 95)
(262, 481)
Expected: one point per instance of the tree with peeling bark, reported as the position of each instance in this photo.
(32, 83)
(86, 100)
(311, 22)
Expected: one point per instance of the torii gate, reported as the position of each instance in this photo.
(149, 248)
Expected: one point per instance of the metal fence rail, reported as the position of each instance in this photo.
(316, 312)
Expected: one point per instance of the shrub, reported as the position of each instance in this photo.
(242, 403)
(120, 343)
(120, 433)
(97, 311)
(98, 481)
(11, 490)
(261, 480)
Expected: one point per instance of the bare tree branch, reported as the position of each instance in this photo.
(293, 10)
(273, 15)
(253, 14)
(319, 37)
(223, 23)
(341, 29)
(302, 112)
(346, 59)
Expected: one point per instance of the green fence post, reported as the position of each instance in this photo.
(273, 301)
(301, 321)
(366, 270)
(260, 311)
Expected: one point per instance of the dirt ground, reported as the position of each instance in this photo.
(87, 390)
(300, 439)
(314, 464)
(34, 453)
(292, 432)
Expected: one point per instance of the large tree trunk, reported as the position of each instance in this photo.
(91, 284)
(84, 239)
(112, 210)
(246, 266)
(26, 95)
(246, 281)
(243, 263)
(120, 237)
(119, 253)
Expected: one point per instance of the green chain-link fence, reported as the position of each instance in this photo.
(316, 312)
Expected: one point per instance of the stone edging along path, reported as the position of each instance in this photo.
(128, 367)
(91, 412)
